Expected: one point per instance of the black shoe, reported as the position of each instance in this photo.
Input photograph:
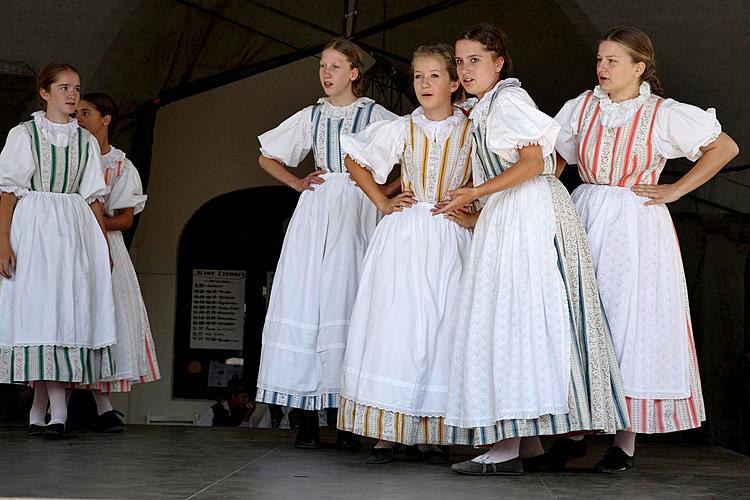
(436, 457)
(109, 422)
(560, 453)
(54, 431)
(512, 467)
(35, 430)
(615, 460)
(382, 455)
(347, 441)
(308, 435)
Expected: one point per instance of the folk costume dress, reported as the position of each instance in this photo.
(397, 362)
(533, 354)
(316, 279)
(57, 312)
(134, 352)
(635, 248)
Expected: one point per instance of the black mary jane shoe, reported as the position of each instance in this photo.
(560, 453)
(615, 461)
(382, 455)
(35, 430)
(347, 441)
(109, 421)
(512, 467)
(54, 431)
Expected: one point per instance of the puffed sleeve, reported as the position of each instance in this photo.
(17, 162)
(92, 185)
(515, 122)
(127, 191)
(680, 130)
(379, 113)
(567, 140)
(378, 147)
(291, 141)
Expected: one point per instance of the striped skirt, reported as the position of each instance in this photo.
(134, 352)
(639, 269)
(595, 397)
(54, 363)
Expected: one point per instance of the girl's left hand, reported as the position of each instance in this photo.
(456, 199)
(659, 193)
(464, 217)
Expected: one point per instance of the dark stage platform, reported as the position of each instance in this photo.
(191, 462)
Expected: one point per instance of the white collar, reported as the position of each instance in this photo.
(112, 157)
(54, 129)
(331, 111)
(481, 106)
(616, 114)
(437, 130)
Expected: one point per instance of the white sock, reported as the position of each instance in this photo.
(531, 447)
(385, 444)
(38, 411)
(58, 407)
(626, 442)
(502, 451)
(103, 404)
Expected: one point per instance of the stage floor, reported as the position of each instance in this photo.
(197, 462)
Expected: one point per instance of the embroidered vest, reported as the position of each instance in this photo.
(58, 169)
(326, 132)
(621, 156)
(430, 170)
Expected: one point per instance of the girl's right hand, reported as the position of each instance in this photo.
(306, 183)
(7, 261)
(398, 203)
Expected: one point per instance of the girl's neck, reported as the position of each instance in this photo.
(343, 99)
(57, 116)
(103, 140)
(629, 92)
(480, 95)
(440, 113)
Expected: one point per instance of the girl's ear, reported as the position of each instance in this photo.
(44, 94)
(454, 86)
(355, 74)
(106, 120)
(499, 63)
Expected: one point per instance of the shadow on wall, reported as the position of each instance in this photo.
(241, 231)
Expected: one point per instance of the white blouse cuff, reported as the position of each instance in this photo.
(16, 190)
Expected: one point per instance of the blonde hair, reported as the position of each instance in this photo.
(641, 50)
(349, 50)
(444, 53)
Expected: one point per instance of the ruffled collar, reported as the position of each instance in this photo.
(437, 131)
(330, 111)
(53, 129)
(616, 114)
(481, 106)
(112, 157)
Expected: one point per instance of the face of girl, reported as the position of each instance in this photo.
(336, 73)
(478, 68)
(90, 118)
(63, 95)
(616, 70)
(432, 83)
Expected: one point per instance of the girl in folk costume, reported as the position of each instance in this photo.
(533, 355)
(134, 353)
(620, 135)
(56, 307)
(321, 260)
(400, 340)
